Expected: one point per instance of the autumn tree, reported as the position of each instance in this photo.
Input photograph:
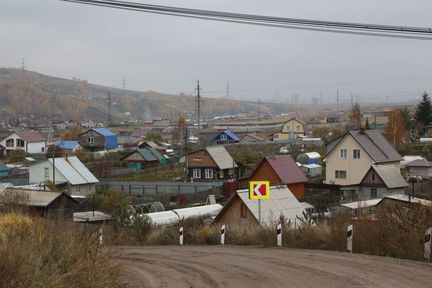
(395, 131)
(71, 133)
(178, 130)
(423, 114)
(355, 117)
(153, 136)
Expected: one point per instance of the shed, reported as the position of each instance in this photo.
(176, 215)
(309, 158)
(312, 170)
(145, 158)
(39, 203)
(242, 211)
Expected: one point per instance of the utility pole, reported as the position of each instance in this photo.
(109, 107)
(227, 91)
(198, 89)
(337, 100)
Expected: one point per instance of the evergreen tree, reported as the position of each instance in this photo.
(423, 114)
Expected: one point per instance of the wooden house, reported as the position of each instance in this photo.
(242, 212)
(145, 158)
(210, 164)
(279, 170)
(97, 139)
(292, 129)
(225, 137)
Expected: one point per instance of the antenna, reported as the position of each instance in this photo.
(198, 100)
(109, 107)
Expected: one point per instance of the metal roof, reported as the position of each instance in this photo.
(74, 170)
(286, 168)
(229, 134)
(66, 144)
(104, 132)
(390, 176)
(111, 141)
(281, 202)
(32, 197)
(419, 163)
(406, 198)
(362, 204)
(221, 156)
(30, 136)
(90, 216)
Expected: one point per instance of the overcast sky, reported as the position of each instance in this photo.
(168, 54)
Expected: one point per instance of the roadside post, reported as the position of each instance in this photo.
(181, 235)
(259, 190)
(427, 244)
(223, 234)
(100, 236)
(350, 238)
(279, 234)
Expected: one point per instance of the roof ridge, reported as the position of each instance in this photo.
(379, 148)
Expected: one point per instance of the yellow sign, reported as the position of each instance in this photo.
(259, 190)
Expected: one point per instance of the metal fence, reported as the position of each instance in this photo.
(165, 192)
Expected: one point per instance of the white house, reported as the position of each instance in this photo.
(70, 175)
(31, 142)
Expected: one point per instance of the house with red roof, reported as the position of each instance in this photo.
(32, 142)
(279, 170)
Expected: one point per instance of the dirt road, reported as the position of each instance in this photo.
(231, 266)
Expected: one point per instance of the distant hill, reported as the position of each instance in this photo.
(26, 93)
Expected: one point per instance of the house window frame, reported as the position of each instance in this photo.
(20, 141)
(343, 153)
(356, 156)
(221, 174)
(197, 159)
(208, 173)
(243, 210)
(339, 173)
(223, 137)
(10, 143)
(91, 140)
(373, 193)
(196, 173)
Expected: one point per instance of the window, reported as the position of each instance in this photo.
(243, 210)
(343, 153)
(209, 173)
(340, 174)
(356, 153)
(20, 143)
(43, 149)
(197, 158)
(221, 174)
(196, 173)
(298, 128)
(10, 143)
(373, 193)
(231, 171)
(46, 173)
(373, 177)
(223, 137)
(91, 141)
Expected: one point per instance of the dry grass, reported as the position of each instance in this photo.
(37, 254)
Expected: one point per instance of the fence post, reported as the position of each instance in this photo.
(279, 235)
(223, 234)
(100, 236)
(427, 244)
(181, 235)
(350, 238)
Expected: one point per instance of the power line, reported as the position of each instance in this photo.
(407, 32)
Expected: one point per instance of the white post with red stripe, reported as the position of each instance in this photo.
(427, 244)
(181, 235)
(223, 234)
(350, 238)
(279, 235)
(100, 236)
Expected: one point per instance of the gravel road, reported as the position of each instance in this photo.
(232, 266)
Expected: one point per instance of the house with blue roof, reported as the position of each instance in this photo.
(68, 146)
(145, 158)
(225, 137)
(97, 139)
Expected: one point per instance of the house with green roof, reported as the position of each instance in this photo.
(144, 158)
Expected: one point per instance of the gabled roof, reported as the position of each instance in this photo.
(281, 202)
(34, 198)
(373, 142)
(406, 198)
(302, 122)
(253, 136)
(286, 169)
(104, 131)
(74, 170)
(419, 163)
(221, 156)
(229, 134)
(390, 176)
(30, 136)
(66, 144)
